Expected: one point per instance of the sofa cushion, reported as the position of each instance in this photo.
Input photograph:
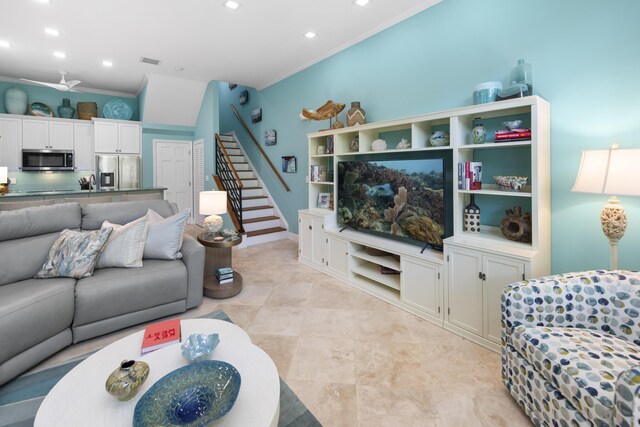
(21, 259)
(115, 291)
(165, 235)
(582, 363)
(74, 254)
(32, 311)
(39, 220)
(93, 215)
(125, 245)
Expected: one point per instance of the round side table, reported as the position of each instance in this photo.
(218, 255)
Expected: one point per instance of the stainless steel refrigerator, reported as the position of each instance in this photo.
(115, 172)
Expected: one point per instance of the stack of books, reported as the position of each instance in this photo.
(224, 275)
(513, 135)
(160, 335)
(470, 176)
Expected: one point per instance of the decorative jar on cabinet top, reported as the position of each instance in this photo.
(16, 101)
(124, 382)
(356, 115)
(66, 111)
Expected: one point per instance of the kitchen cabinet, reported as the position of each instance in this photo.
(114, 137)
(11, 143)
(44, 134)
(83, 147)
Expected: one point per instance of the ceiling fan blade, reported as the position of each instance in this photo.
(57, 86)
(72, 83)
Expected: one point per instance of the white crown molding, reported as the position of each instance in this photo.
(81, 89)
(396, 19)
(142, 84)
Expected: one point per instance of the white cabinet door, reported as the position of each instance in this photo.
(305, 236)
(106, 137)
(11, 143)
(317, 240)
(129, 138)
(337, 256)
(35, 134)
(83, 154)
(465, 289)
(61, 135)
(498, 272)
(420, 285)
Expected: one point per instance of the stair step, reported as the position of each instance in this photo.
(227, 138)
(257, 208)
(252, 188)
(254, 197)
(265, 231)
(261, 219)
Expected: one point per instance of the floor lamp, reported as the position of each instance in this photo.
(212, 203)
(612, 172)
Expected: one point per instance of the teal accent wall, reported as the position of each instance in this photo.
(53, 98)
(584, 64)
(157, 131)
(207, 125)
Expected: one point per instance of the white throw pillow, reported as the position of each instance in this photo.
(164, 239)
(125, 245)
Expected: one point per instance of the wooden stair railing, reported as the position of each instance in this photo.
(244, 125)
(230, 181)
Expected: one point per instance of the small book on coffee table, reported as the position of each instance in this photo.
(158, 335)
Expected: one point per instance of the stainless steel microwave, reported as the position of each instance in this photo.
(47, 160)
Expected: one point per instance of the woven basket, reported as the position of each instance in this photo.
(87, 110)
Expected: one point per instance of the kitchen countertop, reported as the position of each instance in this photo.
(70, 191)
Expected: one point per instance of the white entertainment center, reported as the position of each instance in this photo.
(459, 288)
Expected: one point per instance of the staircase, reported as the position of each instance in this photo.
(262, 222)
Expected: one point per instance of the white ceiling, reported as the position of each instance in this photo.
(256, 45)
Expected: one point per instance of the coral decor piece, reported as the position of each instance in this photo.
(329, 110)
(403, 144)
(516, 226)
(395, 213)
(379, 145)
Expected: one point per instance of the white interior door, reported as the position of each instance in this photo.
(198, 178)
(172, 170)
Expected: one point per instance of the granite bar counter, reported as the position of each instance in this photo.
(22, 199)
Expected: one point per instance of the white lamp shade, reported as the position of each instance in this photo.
(613, 172)
(213, 202)
(3, 174)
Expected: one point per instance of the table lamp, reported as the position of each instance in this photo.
(611, 172)
(4, 181)
(213, 203)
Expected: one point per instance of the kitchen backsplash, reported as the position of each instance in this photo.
(46, 181)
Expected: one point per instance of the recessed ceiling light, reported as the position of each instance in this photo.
(362, 2)
(59, 54)
(232, 4)
(107, 64)
(4, 43)
(52, 32)
(309, 34)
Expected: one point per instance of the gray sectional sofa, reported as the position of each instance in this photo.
(39, 317)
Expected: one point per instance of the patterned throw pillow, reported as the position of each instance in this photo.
(74, 254)
(125, 245)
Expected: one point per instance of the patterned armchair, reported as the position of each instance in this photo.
(571, 348)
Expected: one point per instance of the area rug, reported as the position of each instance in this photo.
(21, 397)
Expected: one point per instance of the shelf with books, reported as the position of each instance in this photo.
(496, 145)
(493, 190)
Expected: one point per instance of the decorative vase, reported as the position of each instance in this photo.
(471, 217)
(479, 134)
(355, 144)
(124, 382)
(66, 111)
(16, 101)
(356, 115)
(522, 74)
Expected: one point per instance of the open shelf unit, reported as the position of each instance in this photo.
(470, 302)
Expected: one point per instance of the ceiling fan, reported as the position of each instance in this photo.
(63, 86)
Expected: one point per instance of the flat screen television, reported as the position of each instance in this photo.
(402, 199)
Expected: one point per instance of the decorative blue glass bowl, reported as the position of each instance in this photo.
(194, 395)
(117, 109)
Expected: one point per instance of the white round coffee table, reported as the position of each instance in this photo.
(80, 398)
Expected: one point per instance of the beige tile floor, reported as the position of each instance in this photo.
(352, 359)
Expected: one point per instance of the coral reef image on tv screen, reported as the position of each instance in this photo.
(402, 198)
